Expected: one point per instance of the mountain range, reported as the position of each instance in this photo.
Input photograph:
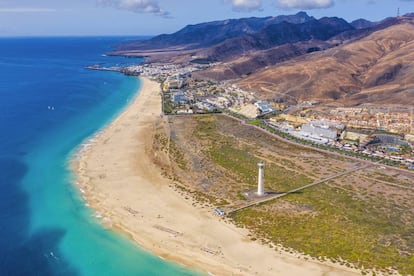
(211, 33)
(295, 58)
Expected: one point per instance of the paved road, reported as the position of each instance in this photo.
(300, 188)
(318, 149)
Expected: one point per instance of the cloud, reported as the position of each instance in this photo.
(26, 10)
(245, 5)
(139, 6)
(305, 4)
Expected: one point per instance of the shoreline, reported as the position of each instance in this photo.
(117, 178)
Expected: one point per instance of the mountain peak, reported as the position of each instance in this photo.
(362, 23)
(302, 13)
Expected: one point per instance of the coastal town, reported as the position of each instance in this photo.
(230, 137)
(209, 162)
(384, 133)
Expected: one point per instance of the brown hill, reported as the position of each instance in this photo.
(240, 58)
(254, 61)
(211, 33)
(277, 35)
(378, 68)
(228, 39)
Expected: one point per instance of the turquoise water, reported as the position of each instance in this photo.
(49, 105)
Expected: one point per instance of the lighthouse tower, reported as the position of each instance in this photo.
(260, 181)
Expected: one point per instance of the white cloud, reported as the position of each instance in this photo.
(245, 5)
(305, 4)
(139, 6)
(26, 10)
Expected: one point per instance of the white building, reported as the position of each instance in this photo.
(260, 180)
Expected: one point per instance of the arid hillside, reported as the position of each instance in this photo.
(255, 61)
(222, 41)
(378, 69)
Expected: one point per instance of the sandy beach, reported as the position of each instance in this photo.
(119, 180)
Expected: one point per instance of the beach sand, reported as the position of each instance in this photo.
(119, 180)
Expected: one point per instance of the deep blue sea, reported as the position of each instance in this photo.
(49, 105)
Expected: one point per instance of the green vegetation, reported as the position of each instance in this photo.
(340, 227)
(394, 179)
(235, 115)
(236, 160)
(352, 142)
(177, 155)
(239, 159)
(203, 197)
(167, 106)
(241, 196)
(405, 149)
(352, 218)
(284, 135)
(256, 122)
(341, 223)
(161, 140)
(244, 166)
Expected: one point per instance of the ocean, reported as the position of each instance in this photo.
(49, 105)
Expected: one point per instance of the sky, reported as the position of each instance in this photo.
(152, 17)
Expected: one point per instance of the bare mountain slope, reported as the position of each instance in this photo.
(211, 33)
(376, 69)
(246, 54)
(225, 40)
(254, 61)
(276, 35)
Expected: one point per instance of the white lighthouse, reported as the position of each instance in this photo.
(260, 181)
